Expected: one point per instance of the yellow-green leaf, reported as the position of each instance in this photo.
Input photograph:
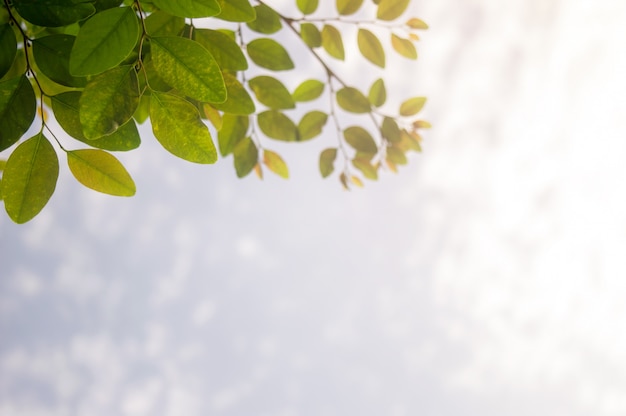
(412, 106)
(277, 125)
(17, 109)
(100, 171)
(238, 100)
(234, 128)
(371, 48)
(353, 100)
(308, 90)
(275, 163)
(390, 130)
(360, 139)
(310, 34)
(346, 7)
(307, 6)
(415, 23)
(327, 161)
(378, 93)
(223, 48)
(311, 125)
(29, 178)
(391, 9)
(267, 20)
(396, 156)
(404, 47)
(246, 156)
(267, 53)
(271, 92)
(332, 42)
(366, 168)
(236, 11)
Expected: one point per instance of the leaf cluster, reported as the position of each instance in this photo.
(193, 69)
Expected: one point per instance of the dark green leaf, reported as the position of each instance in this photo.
(17, 109)
(104, 41)
(275, 163)
(360, 139)
(238, 101)
(189, 8)
(277, 125)
(246, 156)
(412, 106)
(8, 48)
(161, 23)
(371, 48)
(378, 93)
(310, 34)
(353, 100)
(236, 11)
(346, 7)
(52, 55)
(308, 90)
(307, 6)
(54, 13)
(187, 66)
(327, 161)
(29, 178)
(178, 127)
(267, 53)
(109, 101)
(332, 42)
(391, 9)
(100, 171)
(234, 128)
(271, 92)
(224, 49)
(267, 20)
(106, 4)
(311, 125)
(404, 47)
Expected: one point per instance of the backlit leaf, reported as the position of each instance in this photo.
(29, 178)
(378, 93)
(353, 100)
(396, 156)
(346, 7)
(391, 9)
(371, 48)
(327, 161)
(189, 8)
(238, 100)
(267, 53)
(104, 41)
(307, 6)
(17, 109)
(332, 42)
(234, 128)
(415, 23)
(100, 171)
(311, 125)
(109, 101)
(178, 127)
(236, 11)
(366, 168)
(421, 124)
(54, 13)
(223, 48)
(360, 139)
(267, 20)
(246, 156)
(308, 90)
(52, 54)
(390, 130)
(404, 47)
(310, 34)
(277, 125)
(275, 163)
(356, 180)
(161, 23)
(412, 106)
(8, 48)
(271, 92)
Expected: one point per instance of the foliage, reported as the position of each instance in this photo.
(194, 69)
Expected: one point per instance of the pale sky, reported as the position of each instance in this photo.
(486, 278)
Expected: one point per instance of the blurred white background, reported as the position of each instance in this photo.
(487, 278)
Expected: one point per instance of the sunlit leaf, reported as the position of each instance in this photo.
(412, 106)
(332, 42)
(29, 178)
(271, 92)
(223, 48)
(236, 11)
(353, 100)
(161, 23)
(100, 171)
(311, 125)
(308, 90)
(391, 9)
(371, 48)
(327, 161)
(246, 156)
(310, 35)
(267, 53)
(307, 6)
(421, 124)
(17, 109)
(238, 100)
(234, 128)
(415, 23)
(275, 163)
(277, 125)
(267, 20)
(404, 47)
(356, 180)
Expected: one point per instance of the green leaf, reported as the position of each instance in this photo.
(371, 48)
(188, 67)
(178, 127)
(307, 6)
(106, 4)
(412, 106)
(396, 156)
(353, 100)
(29, 178)
(104, 41)
(224, 49)
(277, 125)
(360, 140)
(8, 48)
(346, 7)
(327, 161)
(66, 111)
(267, 53)
(54, 13)
(236, 11)
(332, 42)
(271, 92)
(17, 109)
(275, 163)
(378, 93)
(390, 130)
(366, 168)
(267, 20)
(415, 23)
(52, 55)
(246, 156)
(189, 8)
(310, 34)
(311, 125)
(391, 9)
(404, 47)
(234, 128)
(109, 101)
(161, 23)
(308, 90)
(238, 101)
(100, 171)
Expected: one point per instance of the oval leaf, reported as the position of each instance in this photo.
(8, 48)
(277, 125)
(246, 156)
(390, 130)
(18, 106)
(234, 128)
(404, 47)
(223, 48)
(412, 106)
(104, 41)
(100, 171)
(311, 125)
(371, 48)
(189, 8)
(29, 178)
(267, 20)
(177, 125)
(366, 168)
(352, 100)
(360, 139)
(391, 9)
(310, 34)
(378, 93)
(307, 6)
(53, 13)
(267, 53)
(236, 11)
(275, 163)
(346, 7)
(415, 23)
(271, 92)
(332, 42)
(308, 90)
(327, 161)
(187, 66)
(52, 54)
(238, 100)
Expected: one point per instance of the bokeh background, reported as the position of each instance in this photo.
(487, 278)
